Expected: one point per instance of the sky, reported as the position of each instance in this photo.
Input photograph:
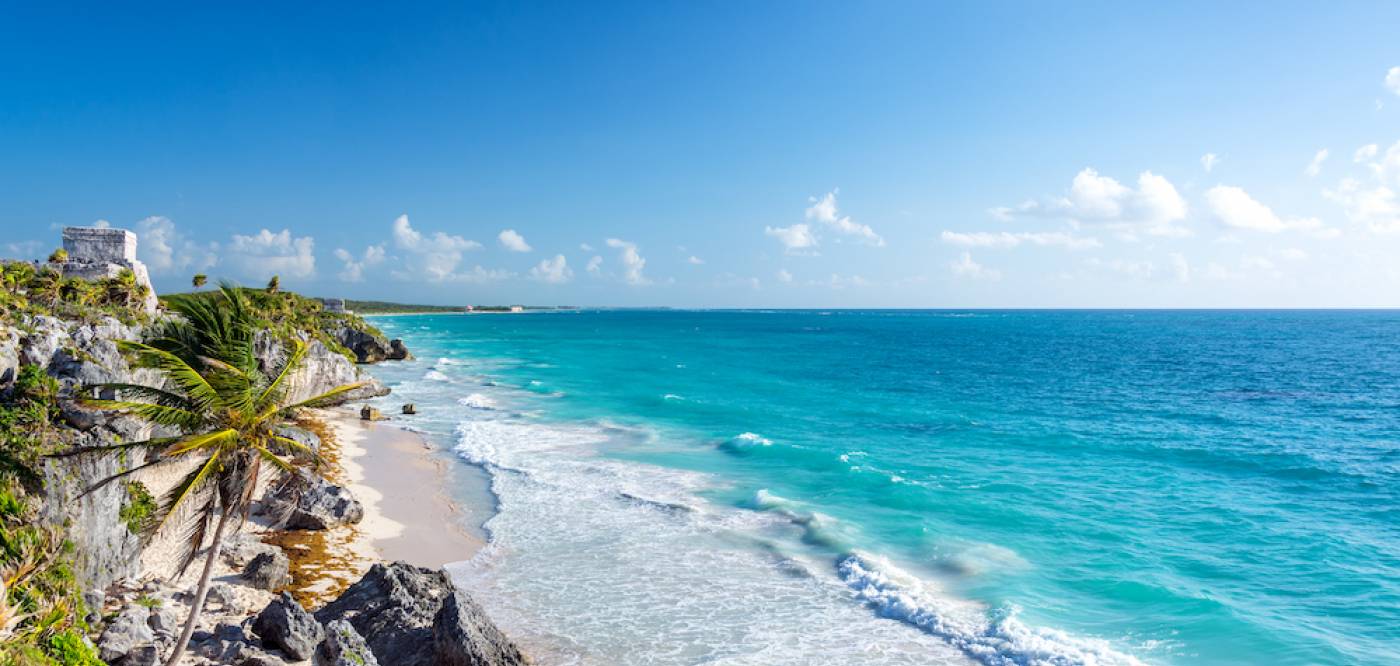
(708, 154)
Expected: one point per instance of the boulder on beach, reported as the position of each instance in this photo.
(305, 501)
(410, 408)
(412, 616)
(368, 413)
(268, 571)
(285, 625)
(343, 647)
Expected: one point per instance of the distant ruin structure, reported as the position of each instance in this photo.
(96, 253)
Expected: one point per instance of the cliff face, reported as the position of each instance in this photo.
(79, 354)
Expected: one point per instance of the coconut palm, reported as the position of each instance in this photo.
(46, 286)
(199, 280)
(231, 420)
(274, 285)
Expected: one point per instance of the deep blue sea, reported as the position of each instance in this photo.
(916, 487)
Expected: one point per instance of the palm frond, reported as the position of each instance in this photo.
(149, 394)
(328, 398)
(272, 395)
(200, 441)
(152, 444)
(193, 484)
(158, 414)
(195, 387)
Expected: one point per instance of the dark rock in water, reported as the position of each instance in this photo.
(464, 636)
(399, 352)
(268, 571)
(285, 625)
(308, 502)
(343, 647)
(395, 608)
(127, 631)
(410, 409)
(368, 413)
(367, 347)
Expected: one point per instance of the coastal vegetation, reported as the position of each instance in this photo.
(231, 418)
(30, 289)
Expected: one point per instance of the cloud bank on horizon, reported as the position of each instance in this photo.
(1199, 218)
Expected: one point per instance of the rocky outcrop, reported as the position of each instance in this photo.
(321, 370)
(343, 647)
(366, 346)
(285, 625)
(268, 571)
(124, 634)
(305, 501)
(411, 616)
(398, 351)
(464, 636)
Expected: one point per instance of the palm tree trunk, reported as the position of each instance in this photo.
(198, 605)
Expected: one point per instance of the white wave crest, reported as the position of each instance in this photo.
(435, 375)
(999, 641)
(477, 401)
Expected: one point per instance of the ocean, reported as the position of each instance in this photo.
(925, 487)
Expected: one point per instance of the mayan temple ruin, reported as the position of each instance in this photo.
(95, 253)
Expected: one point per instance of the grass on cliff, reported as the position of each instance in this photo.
(41, 605)
(30, 289)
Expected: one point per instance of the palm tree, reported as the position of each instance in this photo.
(46, 286)
(274, 285)
(199, 280)
(58, 256)
(231, 419)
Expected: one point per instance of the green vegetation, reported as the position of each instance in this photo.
(382, 307)
(139, 508)
(286, 314)
(40, 603)
(146, 601)
(58, 256)
(26, 289)
(199, 280)
(230, 416)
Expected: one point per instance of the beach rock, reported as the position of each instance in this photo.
(142, 655)
(225, 597)
(410, 408)
(164, 622)
(368, 413)
(127, 631)
(251, 656)
(412, 616)
(285, 625)
(343, 647)
(240, 549)
(269, 571)
(464, 636)
(308, 502)
(398, 351)
(393, 608)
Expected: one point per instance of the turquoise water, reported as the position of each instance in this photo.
(928, 487)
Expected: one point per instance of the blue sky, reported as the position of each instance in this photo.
(722, 154)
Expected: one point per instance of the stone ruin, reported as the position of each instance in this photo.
(96, 253)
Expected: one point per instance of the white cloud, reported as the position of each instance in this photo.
(1254, 262)
(1180, 267)
(1293, 254)
(824, 210)
(838, 281)
(965, 266)
(553, 271)
(1009, 239)
(695, 261)
(265, 254)
(23, 249)
(1392, 80)
(585, 247)
(1315, 166)
(513, 241)
(354, 269)
(101, 224)
(595, 265)
(796, 239)
(784, 276)
(632, 261)
(1365, 152)
(1208, 161)
(1154, 206)
(1235, 208)
(479, 275)
(434, 258)
(1140, 270)
(165, 250)
(1375, 207)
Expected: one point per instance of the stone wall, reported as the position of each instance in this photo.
(96, 253)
